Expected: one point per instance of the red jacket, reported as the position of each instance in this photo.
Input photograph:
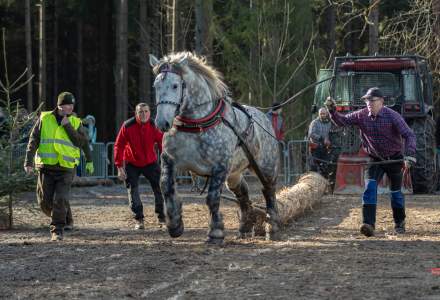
(135, 143)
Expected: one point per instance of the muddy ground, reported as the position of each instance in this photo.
(322, 255)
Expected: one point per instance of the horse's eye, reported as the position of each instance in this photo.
(174, 86)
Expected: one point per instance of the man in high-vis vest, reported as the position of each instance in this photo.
(54, 146)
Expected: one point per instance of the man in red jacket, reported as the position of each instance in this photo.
(135, 155)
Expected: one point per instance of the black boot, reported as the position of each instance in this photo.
(368, 219)
(399, 219)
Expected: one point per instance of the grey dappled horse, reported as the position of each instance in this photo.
(201, 128)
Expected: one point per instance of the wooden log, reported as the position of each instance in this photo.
(293, 201)
(5, 212)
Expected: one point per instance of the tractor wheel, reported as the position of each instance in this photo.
(423, 174)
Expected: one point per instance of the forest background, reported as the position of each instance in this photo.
(267, 50)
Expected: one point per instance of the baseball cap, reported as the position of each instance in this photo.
(371, 93)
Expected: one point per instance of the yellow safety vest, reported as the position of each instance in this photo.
(55, 146)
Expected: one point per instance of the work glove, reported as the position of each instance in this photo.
(89, 168)
(409, 161)
(330, 104)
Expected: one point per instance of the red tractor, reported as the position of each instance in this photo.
(406, 83)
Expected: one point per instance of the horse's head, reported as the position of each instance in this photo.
(184, 84)
(170, 88)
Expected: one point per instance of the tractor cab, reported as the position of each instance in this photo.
(406, 83)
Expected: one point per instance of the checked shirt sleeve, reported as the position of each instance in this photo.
(407, 134)
(345, 120)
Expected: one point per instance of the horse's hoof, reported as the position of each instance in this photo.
(273, 236)
(176, 231)
(215, 241)
(273, 232)
(245, 227)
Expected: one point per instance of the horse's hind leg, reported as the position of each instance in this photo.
(241, 191)
(174, 206)
(216, 226)
(273, 218)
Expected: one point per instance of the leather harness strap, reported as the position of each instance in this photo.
(248, 154)
(202, 124)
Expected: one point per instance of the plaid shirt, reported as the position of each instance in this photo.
(381, 135)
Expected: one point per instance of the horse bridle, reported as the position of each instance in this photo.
(165, 69)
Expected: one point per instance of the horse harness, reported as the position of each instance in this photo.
(213, 119)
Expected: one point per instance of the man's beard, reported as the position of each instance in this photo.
(325, 120)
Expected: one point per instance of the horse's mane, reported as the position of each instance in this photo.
(199, 66)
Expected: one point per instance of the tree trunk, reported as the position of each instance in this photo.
(348, 41)
(168, 25)
(331, 30)
(144, 69)
(42, 54)
(252, 57)
(55, 51)
(80, 68)
(121, 67)
(104, 130)
(203, 12)
(436, 13)
(373, 41)
(156, 27)
(174, 24)
(28, 29)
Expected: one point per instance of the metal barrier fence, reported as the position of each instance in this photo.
(294, 157)
(19, 151)
(297, 156)
(110, 161)
(99, 158)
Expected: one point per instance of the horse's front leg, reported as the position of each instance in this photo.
(174, 206)
(273, 218)
(216, 227)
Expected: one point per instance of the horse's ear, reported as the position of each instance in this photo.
(153, 60)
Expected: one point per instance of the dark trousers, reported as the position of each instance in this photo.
(53, 188)
(393, 171)
(324, 161)
(152, 174)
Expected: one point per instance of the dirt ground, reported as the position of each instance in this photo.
(321, 256)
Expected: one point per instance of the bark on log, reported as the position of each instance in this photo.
(293, 201)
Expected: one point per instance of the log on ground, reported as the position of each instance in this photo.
(293, 201)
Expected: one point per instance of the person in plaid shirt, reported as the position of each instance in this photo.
(391, 144)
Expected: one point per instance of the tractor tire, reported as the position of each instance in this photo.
(424, 173)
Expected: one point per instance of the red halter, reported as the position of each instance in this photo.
(202, 124)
